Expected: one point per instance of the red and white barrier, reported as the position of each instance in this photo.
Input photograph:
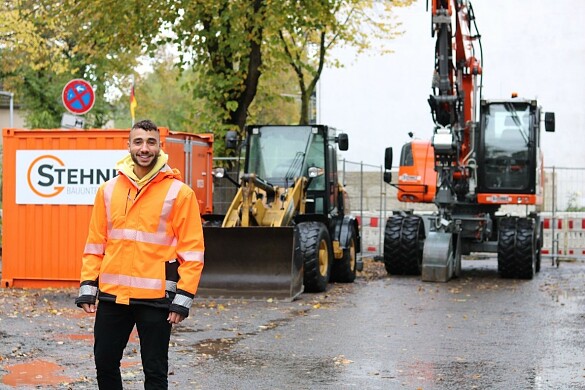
(370, 231)
(568, 230)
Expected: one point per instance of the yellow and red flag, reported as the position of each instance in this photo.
(133, 103)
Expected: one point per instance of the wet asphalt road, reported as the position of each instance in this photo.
(475, 332)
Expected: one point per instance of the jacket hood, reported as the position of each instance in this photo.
(126, 167)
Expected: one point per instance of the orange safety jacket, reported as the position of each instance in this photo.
(144, 245)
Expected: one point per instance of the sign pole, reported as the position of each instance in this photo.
(133, 103)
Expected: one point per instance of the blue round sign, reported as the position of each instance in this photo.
(78, 96)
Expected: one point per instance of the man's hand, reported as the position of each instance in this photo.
(88, 307)
(175, 318)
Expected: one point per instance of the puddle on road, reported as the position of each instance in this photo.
(215, 347)
(127, 364)
(37, 373)
(212, 348)
(89, 337)
(76, 337)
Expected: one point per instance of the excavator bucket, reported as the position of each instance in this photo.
(251, 262)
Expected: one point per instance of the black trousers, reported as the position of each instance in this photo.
(113, 325)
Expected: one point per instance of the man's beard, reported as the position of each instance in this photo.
(149, 166)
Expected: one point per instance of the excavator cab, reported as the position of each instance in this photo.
(510, 160)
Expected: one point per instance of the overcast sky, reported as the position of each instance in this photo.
(533, 47)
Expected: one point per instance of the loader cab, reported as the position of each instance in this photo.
(276, 153)
(322, 195)
(281, 154)
(509, 134)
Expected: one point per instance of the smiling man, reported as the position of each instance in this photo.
(142, 260)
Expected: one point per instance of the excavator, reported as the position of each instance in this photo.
(469, 169)
(288, 229)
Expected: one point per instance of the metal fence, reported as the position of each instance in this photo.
(563, 209)
(372, 201)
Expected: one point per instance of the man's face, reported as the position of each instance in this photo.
(144, 147)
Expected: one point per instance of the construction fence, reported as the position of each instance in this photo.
(372, 201)
(563, 209)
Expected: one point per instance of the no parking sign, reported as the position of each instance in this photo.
(78, 96)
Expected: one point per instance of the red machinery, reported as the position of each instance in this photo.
(469, 168)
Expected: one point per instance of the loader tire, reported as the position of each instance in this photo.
(344, 270)
(403, 242)
(316, 253)
(517, 255)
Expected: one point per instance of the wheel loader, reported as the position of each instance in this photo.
(288, 229)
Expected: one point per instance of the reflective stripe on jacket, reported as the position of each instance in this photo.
(134, 233)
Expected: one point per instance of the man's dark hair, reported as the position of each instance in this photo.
(146, 125)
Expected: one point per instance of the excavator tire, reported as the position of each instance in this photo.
(506, 246)
(392, 245)
(403, 242)
(516, 248)
(539, 242)
(344, 270)
(316, 252)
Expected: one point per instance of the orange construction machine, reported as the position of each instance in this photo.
(469, 168)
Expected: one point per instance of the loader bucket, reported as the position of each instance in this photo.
(251, 262)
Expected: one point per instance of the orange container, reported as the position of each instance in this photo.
(49, 182)
(192, 154)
